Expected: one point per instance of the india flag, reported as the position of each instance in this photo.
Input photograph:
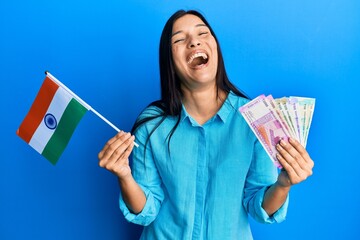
(52, 119)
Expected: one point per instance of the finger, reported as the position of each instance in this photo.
(130, 147)
(294, 175)
(121, 140)
(113, 151)
(303, 157)
(288, 153)
(298, 170)
(118, 135)
(120, 156)
(108, 143)
(288, 168)
(300, 149)
(114, 143)
(116, 138)
(293, 163)
(291, 150)
(121, 146)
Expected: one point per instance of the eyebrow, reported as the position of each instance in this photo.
(197, 25)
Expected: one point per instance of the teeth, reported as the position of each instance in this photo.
(199, 54)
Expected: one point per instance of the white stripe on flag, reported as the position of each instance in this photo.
(57, 107)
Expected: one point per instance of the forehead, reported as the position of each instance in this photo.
(187, 21)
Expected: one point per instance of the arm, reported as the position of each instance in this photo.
(133, 195)
(274, 198)
(297, 167)
(115, 158)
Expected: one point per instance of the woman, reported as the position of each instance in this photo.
(199, 170)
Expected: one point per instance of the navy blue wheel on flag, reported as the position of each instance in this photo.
(50, 121)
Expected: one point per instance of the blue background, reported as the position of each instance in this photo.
(106, 52)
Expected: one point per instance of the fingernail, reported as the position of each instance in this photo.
(283, 143)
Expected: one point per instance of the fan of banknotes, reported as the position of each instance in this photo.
(274, 119)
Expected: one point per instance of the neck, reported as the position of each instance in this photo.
(203, 104)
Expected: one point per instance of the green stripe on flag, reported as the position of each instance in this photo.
(67, 124)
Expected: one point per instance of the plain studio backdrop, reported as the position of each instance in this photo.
(107, 53)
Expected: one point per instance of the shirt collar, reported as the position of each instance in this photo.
(223, 112)
(227, 107)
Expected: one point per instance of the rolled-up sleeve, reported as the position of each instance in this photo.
(146, 175)
(262, 174)
(147, 215)
(260, 214)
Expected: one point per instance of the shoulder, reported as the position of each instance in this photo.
(151, 116)
(237, 101)
(153, 110)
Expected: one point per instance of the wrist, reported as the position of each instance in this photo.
(126, 180)
(282, 187)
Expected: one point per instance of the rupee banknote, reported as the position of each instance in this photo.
(274, 119)
(300, 112)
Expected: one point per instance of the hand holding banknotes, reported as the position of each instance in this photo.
(296, 162)
(296, 167)
(282, 127)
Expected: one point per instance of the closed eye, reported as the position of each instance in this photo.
(178, 40)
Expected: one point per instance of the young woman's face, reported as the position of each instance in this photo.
(194, 51)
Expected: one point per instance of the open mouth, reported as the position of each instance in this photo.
(198, 59)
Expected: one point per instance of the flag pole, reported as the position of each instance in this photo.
(87, 106)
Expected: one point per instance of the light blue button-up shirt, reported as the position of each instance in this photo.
(204, 188)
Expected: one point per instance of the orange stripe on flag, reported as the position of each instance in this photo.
(38, 110)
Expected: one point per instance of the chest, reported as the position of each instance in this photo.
(203, 153)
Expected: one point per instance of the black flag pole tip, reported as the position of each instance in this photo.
(46, 72)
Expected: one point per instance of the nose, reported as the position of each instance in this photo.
(194, 42)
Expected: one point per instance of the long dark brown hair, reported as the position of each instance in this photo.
(170, 103)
